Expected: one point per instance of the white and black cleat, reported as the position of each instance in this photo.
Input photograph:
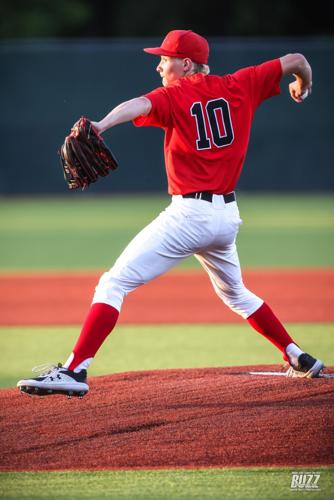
(307, 367)
(24, 390)
(56, 380)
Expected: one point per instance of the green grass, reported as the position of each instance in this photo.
(269, 484)
(90, 232)
(155, 347)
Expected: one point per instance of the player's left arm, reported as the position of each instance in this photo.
(298, 66)
(124, 112)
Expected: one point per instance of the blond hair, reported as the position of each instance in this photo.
(196, 68)
(200, 68)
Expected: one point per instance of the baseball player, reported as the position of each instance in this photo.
(207, 123)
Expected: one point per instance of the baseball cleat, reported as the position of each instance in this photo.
(308, 367)
(56, 380)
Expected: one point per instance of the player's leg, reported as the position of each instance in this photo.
(157, 248)
(151, 253)
(224, 271)
(141, 261)
(172, 236)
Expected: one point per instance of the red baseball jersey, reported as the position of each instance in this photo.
(207, 122)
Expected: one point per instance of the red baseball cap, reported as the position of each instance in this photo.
(183, 43)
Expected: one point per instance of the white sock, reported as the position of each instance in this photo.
(293, 352)
(69, 360)
(82, 366)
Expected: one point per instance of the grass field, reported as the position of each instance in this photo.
(216, 484)
(79, 232)
(89, 233)
(155, 347)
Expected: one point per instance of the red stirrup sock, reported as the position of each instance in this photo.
(99, 323)
(265, 322)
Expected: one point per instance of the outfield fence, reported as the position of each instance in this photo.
(47, 84)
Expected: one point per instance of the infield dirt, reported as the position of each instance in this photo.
(214, 417)
(63, 298)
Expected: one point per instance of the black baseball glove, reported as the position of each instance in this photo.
(84, 156)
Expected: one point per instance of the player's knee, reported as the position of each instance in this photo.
(110, 290)
(240, 300)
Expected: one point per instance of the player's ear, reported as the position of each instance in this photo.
(187, 63)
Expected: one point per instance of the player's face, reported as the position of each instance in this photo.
(170, 69)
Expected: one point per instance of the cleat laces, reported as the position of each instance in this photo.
(46, 368)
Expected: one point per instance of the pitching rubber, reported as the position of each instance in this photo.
(283, 374)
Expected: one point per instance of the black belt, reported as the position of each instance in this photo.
(204, 195)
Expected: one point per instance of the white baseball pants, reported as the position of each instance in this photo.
(186, 227)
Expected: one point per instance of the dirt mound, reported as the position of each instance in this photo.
(173, 418)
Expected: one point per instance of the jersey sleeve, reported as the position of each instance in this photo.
(263, 80)
(160, 113)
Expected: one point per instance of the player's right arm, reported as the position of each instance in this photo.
(298, 66)
(125, 112)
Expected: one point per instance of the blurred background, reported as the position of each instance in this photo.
(60, 60)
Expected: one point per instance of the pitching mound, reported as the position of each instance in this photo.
(173, 418)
